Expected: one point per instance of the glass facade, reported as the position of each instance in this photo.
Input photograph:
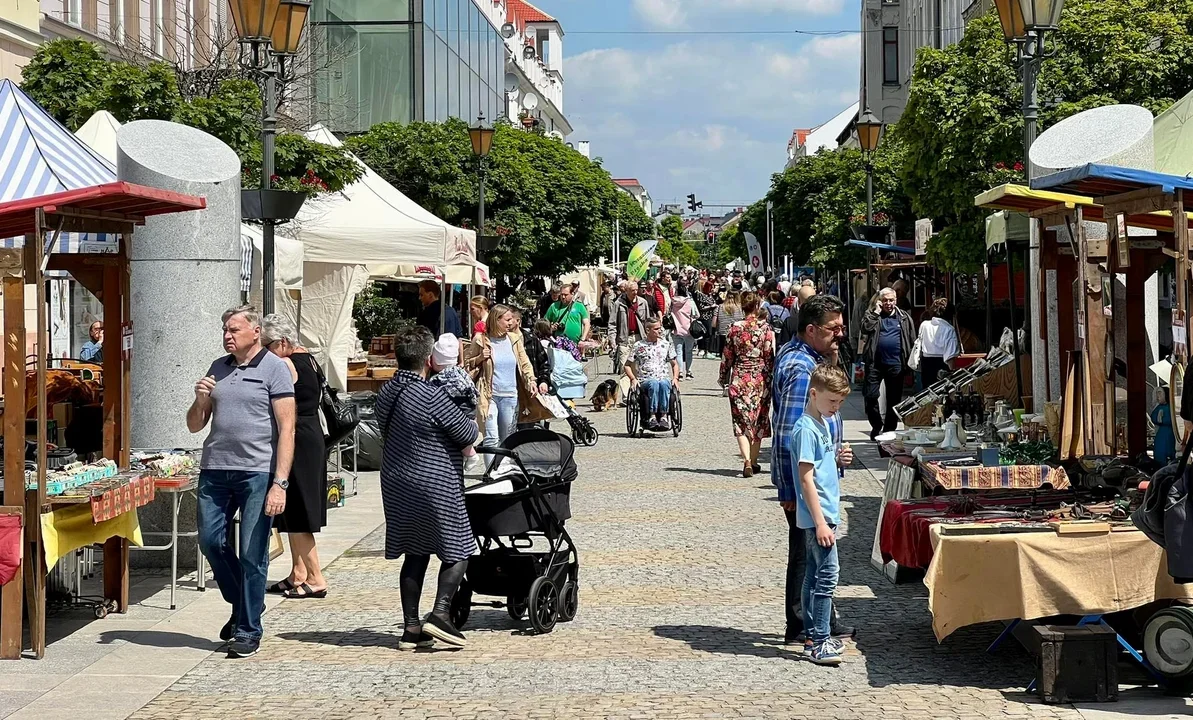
(409, 60)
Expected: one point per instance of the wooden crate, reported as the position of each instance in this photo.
(1077, 664)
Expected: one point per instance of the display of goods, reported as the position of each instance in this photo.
(170, 465)
(72, 476)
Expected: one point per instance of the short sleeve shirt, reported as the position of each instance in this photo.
(812, 443)
(652, 359)
(572, 318)
(244, 433)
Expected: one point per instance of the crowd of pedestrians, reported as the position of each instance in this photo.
(784, 351)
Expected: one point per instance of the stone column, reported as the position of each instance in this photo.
(185, 274)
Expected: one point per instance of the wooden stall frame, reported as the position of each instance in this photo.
(110, 275)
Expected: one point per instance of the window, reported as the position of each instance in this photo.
(74, 12)
(159, 29)
(890, 56)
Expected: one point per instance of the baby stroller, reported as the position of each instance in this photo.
(583, 431)
(517, 513)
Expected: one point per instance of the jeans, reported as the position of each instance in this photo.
(876, 376)
(683, 351)
(241, 579)
(658, 396)
(820, 580)
(502, 420)
(797, 562)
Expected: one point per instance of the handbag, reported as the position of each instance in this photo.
(697, 329)
(339, 418)
(917, 353)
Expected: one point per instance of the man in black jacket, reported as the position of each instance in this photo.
(886, 339)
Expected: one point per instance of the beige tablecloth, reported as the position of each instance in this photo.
(979, 578)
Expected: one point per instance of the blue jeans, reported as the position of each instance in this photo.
(658, 396)
(502, 420)
(820, 580)
(241, 579)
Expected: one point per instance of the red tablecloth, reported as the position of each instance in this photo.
(904, 535)
(10, 547)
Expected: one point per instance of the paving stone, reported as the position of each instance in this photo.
(681, 616)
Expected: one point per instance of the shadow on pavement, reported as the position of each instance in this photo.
(158, 639)
(721, 472)
(726, 640)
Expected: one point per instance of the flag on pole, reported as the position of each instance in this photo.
(638, 262)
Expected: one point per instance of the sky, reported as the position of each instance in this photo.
(702, 96)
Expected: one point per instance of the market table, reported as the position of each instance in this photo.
(1025, 576)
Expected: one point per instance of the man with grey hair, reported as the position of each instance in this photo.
(886, 339)
(629, 323)
(248, 398)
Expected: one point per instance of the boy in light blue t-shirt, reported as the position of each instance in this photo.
(818, 507)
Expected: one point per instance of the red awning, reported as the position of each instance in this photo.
(131, 202)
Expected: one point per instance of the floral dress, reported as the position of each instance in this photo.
(746, 366)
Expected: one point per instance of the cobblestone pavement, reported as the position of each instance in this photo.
(682, 565)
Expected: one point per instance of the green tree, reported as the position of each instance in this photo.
(553, 208)
(73, 80)
(819, 198)
(962, 128)
(636, 225)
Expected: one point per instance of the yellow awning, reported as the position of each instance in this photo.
(1019, 198)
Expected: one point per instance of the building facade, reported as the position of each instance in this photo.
(534, 68)
(824, 136)
(20, 23)
(404, 61)
(893, 31)
(633, 188)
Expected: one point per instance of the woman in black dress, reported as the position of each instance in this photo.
(306, 500)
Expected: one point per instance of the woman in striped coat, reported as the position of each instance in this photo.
(422, 489)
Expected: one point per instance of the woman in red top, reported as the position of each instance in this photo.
(479, 310)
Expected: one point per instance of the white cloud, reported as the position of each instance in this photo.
(674, 14)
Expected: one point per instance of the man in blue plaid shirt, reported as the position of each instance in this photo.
(822, 329)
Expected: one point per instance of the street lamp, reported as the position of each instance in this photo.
(1024, 24)
(869, 133)
(269, 30)
(482, 142)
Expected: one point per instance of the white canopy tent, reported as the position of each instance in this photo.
(368, 230)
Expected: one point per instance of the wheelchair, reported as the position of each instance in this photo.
(636, 410)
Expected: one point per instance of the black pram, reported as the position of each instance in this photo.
(518, 511)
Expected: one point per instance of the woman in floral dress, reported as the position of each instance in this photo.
(746, 366)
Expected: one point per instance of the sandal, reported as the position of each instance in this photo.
(281, 587)
(303, 592)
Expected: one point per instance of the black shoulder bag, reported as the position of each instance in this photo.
(340, 418)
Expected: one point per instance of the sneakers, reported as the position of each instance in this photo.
(244, 648)
(827, 652)
(690, 376)
(443, 630)
(411, 641)
(228, 629)
(664, 424)
(843, 632)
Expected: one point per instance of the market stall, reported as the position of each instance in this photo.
(370, 230)
(54, 187)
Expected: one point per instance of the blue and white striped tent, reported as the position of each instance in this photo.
(38, 156)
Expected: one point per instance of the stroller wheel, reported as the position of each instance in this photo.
(591, 435)
(516, 607)
(543, 605)
(569, 601)
(461, 605)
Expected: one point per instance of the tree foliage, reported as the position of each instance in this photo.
(73, 80)
(962, 128)
(553, 208)
(820, 197)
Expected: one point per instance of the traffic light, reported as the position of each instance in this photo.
(692, 204)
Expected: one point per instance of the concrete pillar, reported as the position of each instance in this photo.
(185, 272)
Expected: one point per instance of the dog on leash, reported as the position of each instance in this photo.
(606, 396)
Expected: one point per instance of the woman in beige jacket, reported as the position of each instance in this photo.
(504, 378)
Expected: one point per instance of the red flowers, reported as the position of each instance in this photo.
(313, 180)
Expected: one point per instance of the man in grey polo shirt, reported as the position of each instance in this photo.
(248, 397)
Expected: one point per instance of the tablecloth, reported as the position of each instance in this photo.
(980, 578)
(11, 536)
(1004, 477)
(71, 527)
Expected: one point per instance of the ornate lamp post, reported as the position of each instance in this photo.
(481, 136)
(269, 30)
(1024, 24)
(869, 134)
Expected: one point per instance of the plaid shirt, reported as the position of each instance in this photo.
(789, 388)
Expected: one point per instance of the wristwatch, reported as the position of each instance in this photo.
(283, 483)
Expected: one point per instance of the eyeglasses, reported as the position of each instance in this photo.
(838, 329)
